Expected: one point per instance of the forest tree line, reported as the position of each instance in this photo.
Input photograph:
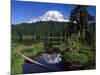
(81, 26)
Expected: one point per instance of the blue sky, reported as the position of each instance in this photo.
(24, 11)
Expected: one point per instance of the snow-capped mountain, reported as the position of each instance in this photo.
(50, 16)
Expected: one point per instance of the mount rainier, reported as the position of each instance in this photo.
(50, 16)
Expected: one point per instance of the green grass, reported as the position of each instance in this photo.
(17, 60)
(79, 55)
(33, 50)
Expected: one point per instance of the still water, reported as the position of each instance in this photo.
(56, 64)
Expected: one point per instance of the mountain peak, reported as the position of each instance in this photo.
(53, 12)
(51, 15)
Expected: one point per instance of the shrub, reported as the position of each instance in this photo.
(79, 55)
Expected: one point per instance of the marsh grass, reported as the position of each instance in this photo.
(17, 60)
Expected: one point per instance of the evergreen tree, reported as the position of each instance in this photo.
(81, 18)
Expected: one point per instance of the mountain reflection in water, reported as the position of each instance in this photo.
(51, 60)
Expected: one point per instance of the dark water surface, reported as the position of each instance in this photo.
(33, 68)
